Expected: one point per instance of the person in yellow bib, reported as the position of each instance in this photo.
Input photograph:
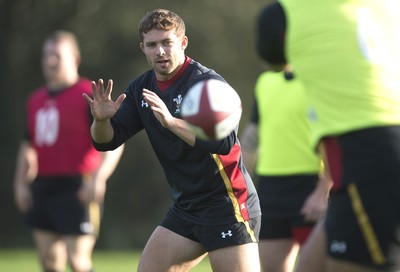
(276, 149)
(346, 54)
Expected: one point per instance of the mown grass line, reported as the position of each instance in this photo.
(25, 260)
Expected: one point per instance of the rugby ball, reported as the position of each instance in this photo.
(212, 108)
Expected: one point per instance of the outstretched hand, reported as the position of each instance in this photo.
(159, 108)
(177, 126)
(102, 106)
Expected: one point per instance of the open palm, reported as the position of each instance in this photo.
(102, 106)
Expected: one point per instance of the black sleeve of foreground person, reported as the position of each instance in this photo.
(271, 28)
(221, 147)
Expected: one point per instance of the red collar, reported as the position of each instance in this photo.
(163, 85)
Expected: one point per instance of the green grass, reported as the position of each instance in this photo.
(104, 261)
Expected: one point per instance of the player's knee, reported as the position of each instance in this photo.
(53, 264)
(76, 269)
(80, 264)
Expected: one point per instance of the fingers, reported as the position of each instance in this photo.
(109, 87)
(88, 99)
(88, 193)
(84, 195)
(147, 91)
(94, 90)
(150, 97)
(98, 90)
(312, 215)
(120, 99)
(23, 205)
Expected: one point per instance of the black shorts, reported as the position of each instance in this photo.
(214, 237)
(281, 198)
(56, 207)
(363, 216)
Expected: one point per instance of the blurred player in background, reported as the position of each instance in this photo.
(216, 208)
(292, 188)
(346, 53)
(60, 179)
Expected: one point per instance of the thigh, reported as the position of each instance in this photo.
(51, 249)
(79, 244)
(79, 251)
(169, 251)
(334, 265)
(220, 236)
(278, 254)
(312, 256)
(214, 236)
(240, 258)
(232, 247)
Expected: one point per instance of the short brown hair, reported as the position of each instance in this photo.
(161, 19)
(66, 36)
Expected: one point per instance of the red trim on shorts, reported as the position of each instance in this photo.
(301, 233)
(334, 160)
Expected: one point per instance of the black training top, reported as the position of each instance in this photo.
(209, 183)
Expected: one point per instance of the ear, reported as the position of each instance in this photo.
(185, 42)
(78, 61)
(141, 45)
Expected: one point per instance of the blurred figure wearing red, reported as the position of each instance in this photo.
(60, 179)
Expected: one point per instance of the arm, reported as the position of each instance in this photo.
(102, 108)
(95, 189)
(249, 142)
(181, 129)
(178, 126)
(316, 204)
(25, 173)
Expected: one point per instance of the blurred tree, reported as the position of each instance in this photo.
(221, 36)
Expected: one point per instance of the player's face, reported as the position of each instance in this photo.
(164, 51)
(58, 62)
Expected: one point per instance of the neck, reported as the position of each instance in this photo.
(56, 85)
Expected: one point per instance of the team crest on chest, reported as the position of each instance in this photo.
(178, 103)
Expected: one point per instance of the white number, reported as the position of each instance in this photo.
(47, 126)
(373, 43)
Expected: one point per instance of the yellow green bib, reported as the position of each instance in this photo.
(347, 54)
(284, 131)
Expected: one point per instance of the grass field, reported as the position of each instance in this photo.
(104, 261)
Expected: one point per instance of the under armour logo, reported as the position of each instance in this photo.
(144, 104)
(225, 234)
(338, 246)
